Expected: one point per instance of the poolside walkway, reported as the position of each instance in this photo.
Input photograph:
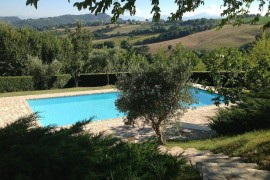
(11, 108)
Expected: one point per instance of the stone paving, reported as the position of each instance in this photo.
(11, 108)
(218, 166)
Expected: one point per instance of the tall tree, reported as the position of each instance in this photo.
(13, 51)
(82, 44)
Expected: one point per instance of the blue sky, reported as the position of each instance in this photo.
(48, 8)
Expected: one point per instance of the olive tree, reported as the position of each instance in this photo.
(156, 93)
(234, 11)
(42, 73)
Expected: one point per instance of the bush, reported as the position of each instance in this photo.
(60, 81)
(203, 77)
(250, 114)
(16, 83)
(92, 80)
(42, 73)
(29, 152)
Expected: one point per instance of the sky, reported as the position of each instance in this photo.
(49, 8)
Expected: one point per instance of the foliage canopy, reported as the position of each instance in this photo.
(156, 93)
(232, 9)
(31, 152)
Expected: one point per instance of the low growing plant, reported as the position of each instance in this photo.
(31, 152)
(248, 115)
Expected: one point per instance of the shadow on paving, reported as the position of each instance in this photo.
(131, 133)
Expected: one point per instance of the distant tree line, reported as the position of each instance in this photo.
(168, 30)
(181, 30)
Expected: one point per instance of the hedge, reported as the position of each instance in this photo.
(60, 81)
(202, 76)
(206, 78)
(26, 83)
(16, 83)
(92, 80)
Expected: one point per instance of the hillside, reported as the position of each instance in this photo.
(228, 36)
(10, 19)
(62, 20)
(131, 40)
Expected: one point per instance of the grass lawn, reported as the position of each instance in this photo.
(24, 93)
(253, 146)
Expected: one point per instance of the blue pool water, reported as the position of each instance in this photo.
(67, 110)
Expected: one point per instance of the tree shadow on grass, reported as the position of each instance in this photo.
(231, 148)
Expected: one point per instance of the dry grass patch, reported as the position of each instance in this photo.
(228, 36)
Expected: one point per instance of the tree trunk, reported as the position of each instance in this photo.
(161, 138)
(76, 82)
(108, 78)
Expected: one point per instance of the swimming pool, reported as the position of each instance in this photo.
(67, 110)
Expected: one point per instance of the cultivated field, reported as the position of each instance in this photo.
(228, 36)
(126, 28)
(131, 40)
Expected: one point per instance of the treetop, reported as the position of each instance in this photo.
(234, 11)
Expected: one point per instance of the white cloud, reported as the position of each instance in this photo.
(211, 10)
(254, 10)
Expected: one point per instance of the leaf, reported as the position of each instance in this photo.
(32, 2)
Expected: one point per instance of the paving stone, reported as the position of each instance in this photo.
(163, 149)
(214, 159)
(216, 173)
(190, 151)
(197, 153)
(234, 165)
(176, 151)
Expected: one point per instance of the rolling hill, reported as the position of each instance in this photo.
(10, 19)
(228, 36)
(62, 20)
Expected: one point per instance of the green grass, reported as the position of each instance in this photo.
(188, 172)
(262, 20)
(117, 40)
(25, 93)
(126, 28)
(253, 146)
(142, 37)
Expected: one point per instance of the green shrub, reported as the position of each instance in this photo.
(27, 83)
(16, 83)
(42, 73)
(203, 77)
(46, 153)
(250, 114)
(60, 81)
(97, 79)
